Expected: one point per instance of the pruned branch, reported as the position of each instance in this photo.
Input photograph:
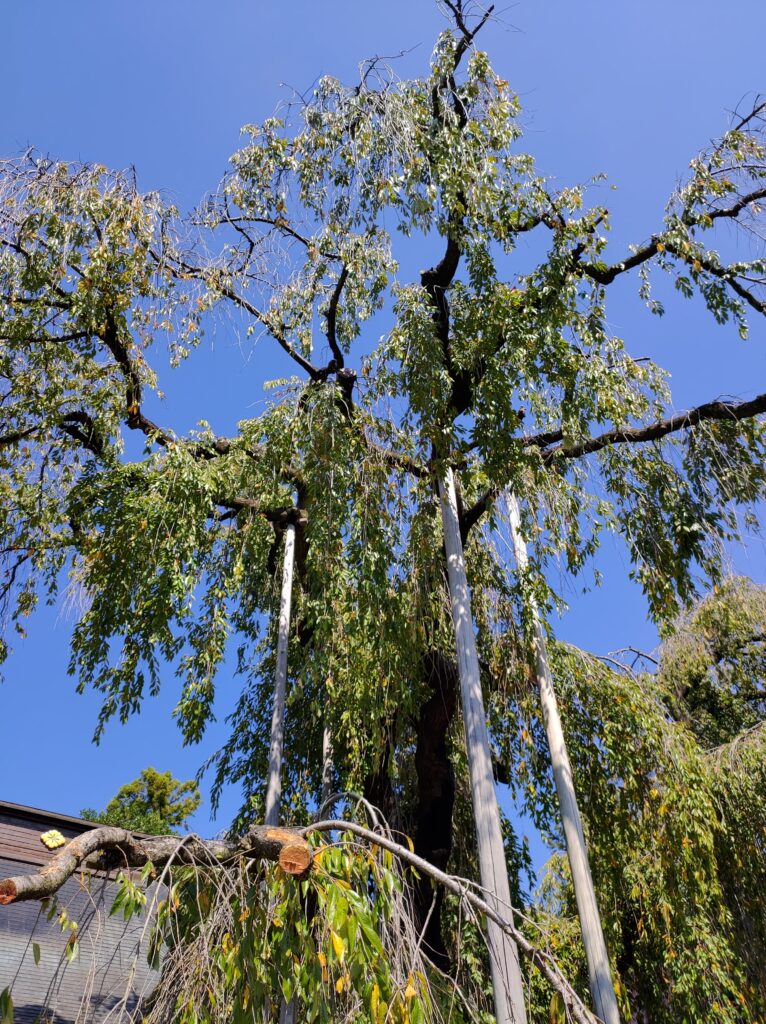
(108, 848)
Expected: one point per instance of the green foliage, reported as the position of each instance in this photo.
(713, 666)
(336, 942)
(155, 803)
(675, 832)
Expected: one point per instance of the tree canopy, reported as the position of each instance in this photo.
(155, 803)
(502, 368)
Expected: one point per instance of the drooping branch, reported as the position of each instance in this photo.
(109, 848)
(186, 271)
(717, 410)
(466, 891)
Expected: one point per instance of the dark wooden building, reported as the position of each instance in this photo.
(108, 977)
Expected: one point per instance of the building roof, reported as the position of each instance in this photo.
(51, 816)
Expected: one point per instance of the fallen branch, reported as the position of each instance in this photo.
(110, 848)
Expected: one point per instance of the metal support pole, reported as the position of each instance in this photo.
(599, 973)
(504, 958)
(287, 1011)
(274, 782)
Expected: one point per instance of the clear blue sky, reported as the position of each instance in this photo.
(633, 90)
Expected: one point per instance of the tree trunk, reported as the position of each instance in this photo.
(436, 799)
(599, 973)
(504, 959)
(274, 782)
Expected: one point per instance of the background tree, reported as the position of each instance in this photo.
(155, 803)
(678, 849)
(499, 367)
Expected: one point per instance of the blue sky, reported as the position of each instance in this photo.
(633, 90)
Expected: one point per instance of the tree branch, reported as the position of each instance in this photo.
(108, 848)
(739, 206)
(717, 410)
(331, 316)
(464, 890)
(185, 270)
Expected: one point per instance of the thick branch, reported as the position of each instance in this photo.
(635, 435)
(279, 517)
(332, 318)
(717, 410)
(109, 848)
(605, 275)
(80, 426)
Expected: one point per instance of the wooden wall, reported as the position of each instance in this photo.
(110, 974)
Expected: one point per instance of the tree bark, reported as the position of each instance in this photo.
(504, 958)
(599, 972)
(436, 799)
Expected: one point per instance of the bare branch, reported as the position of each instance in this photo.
(108, 848)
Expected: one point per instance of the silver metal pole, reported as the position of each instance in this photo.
(274, 781)
(504, 958)
(599, 973)
(287, 1011)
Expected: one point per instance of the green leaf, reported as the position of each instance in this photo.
(6, 1007)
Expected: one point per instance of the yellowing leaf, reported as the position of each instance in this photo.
(375, 1001)
(410, 992)
(339, 985)
(557, 1013)
(337, 945)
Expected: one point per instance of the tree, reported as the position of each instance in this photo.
(510, 378)
(155, 803)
